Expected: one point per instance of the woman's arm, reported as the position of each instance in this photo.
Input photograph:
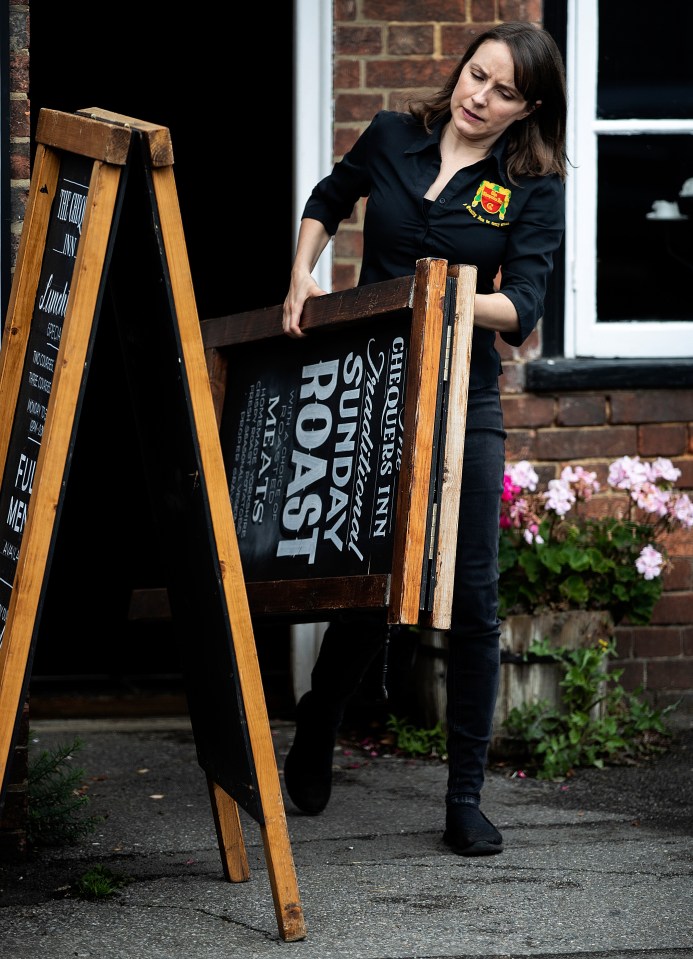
(312, 240)
(494, 311)
(528, 260)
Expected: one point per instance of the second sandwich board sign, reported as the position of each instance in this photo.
(103, 246)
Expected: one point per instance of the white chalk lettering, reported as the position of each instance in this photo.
(54, 332)
(299, 547)
(313, 374)
(392, 411)
(39, 382)
(343, 465)
(312, 430)
(16, 517)
(52, 301)
(71, 207)
(44, 361)
(69, 246)
(25, 474)
(381, 511)
(363, 468)
(9, 549)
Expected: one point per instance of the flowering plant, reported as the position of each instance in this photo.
(565, 547)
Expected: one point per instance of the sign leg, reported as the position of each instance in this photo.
(229, 834)
(280, 864)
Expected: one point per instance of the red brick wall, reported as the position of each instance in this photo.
(20, 133)
(387, 50)
(592, 429)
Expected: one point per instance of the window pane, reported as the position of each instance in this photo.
(643, 262)
(645, 60)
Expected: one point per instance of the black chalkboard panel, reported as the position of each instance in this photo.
(313, 445)
(41, 355)
(178, 492)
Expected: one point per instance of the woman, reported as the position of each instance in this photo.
(474, 174)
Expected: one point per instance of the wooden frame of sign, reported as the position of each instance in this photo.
(102, 184)
(344, 449)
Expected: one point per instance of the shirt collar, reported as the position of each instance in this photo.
(426, 140)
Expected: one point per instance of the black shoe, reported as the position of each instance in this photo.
(308, 765)
(469, 833)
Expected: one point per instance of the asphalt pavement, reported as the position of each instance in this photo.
(596, 866)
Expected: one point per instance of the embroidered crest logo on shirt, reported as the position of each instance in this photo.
(493, 198)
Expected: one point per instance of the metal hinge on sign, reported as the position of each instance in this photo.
(432, 541)
(448, 346)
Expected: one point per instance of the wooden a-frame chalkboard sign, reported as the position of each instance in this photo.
(343, 449)
(103, 239)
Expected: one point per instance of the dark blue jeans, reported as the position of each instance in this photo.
(351, 643)
(474, 638)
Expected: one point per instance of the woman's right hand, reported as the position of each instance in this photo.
(302, 288)
(312, 240)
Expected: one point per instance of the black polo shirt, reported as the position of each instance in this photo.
(480, 218)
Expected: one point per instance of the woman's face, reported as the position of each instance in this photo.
(485, 101)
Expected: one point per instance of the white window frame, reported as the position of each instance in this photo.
(584, 336)
(313, 125)
(313, 112)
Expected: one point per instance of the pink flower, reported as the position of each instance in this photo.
(531, 534)
(557, 553)
(583, 482)
(649, 563)
(652, 499)
(682, 510)
(522, 474)
(510, 489)
(559, 497)
(664, 469)
(517, 512)
(627, 472)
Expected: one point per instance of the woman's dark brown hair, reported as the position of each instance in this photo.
(536, 144)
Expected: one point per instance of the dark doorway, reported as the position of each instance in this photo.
(225, 93)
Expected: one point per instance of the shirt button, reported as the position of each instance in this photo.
(441, 200)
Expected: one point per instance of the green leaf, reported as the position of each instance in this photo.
(574, 588)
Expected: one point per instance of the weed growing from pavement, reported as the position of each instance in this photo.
(100, 882)
(57, 797)
(411, 740)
